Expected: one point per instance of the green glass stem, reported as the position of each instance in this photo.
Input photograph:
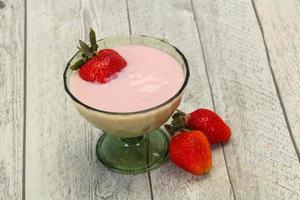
(133, 155)
(132, 141)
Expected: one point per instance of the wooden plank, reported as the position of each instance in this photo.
(261, 158)
(281, 23)
(174, 21)
(11, 101)
(61, 160)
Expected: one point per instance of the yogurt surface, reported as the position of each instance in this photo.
(150, 78)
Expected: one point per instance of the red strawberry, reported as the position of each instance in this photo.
(191, 151)
(113, 57)
(97, 66)
(102, 66)
(215, 129)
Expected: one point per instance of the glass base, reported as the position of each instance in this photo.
(133, 155)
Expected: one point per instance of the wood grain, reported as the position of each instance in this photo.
(281, 24)
(11, 98)
(61, 160)
(60, 145)
(261, 158)
(174, 21)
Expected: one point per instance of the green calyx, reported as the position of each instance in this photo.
(87, 52)
(178, 123)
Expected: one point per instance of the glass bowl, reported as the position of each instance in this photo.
(132, 141)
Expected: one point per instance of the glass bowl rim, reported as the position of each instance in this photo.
(134, 112)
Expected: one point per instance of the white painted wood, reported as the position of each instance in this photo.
(60, 160)
(174, 21)
(261, 158)
(11, 98)
(281, 25)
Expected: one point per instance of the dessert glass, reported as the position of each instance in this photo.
(132, 141)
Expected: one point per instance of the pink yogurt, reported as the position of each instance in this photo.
(150, 78)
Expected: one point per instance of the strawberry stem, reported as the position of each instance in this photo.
(178, 123)
(86, 51)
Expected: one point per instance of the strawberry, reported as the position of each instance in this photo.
(207, 121)
(191, 151)
(98, 66)
(101, 67)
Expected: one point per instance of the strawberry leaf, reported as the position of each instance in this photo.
(169, 129)
(178, 122)
(84, 56)
(78, 64)
(86, 49)
(93, 41)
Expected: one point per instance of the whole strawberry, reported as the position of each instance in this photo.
(207, 121)
(191, 151)
(98, 66)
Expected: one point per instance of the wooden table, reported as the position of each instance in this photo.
(245, 64)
